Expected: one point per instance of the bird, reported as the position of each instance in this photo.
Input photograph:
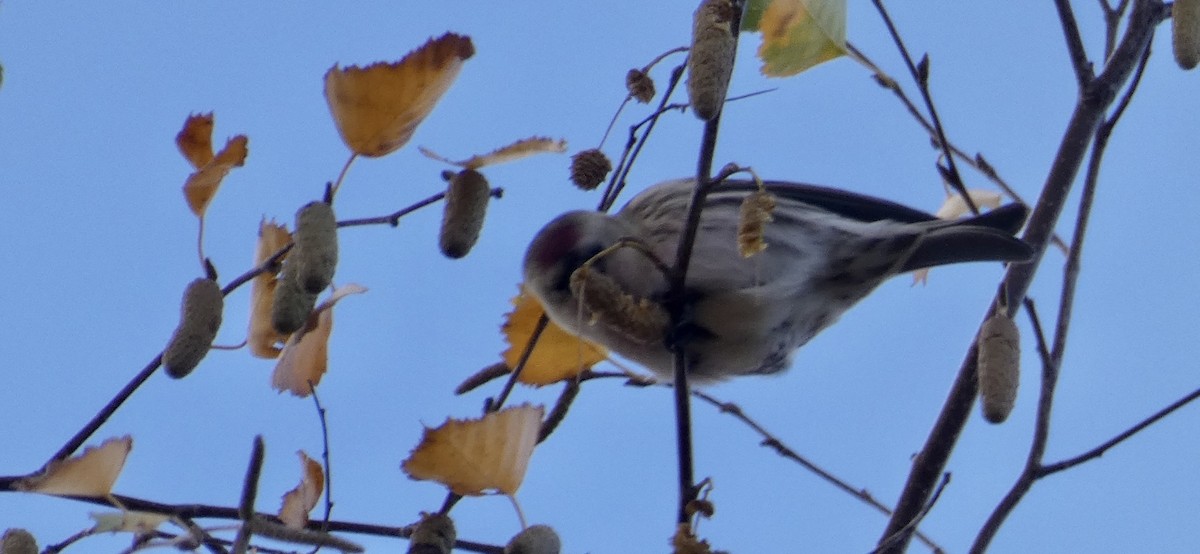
(826, 249)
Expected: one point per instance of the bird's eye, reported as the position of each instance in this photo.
(575, 258)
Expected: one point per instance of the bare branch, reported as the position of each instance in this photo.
(1098, 451)
(1094, 99)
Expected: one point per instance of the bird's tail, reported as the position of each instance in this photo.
(983, 238)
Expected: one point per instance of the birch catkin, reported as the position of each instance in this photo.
(1185, 32)
(465, 209)
(314, 258)
(753, 217)
(199, 320)
(535, 539)
(999, 366)
(710, 61)
(292, 304)
(638, 319)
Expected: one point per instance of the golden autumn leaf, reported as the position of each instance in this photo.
(195, 139)
(558, 355)
(473, 456)
(520, 149)
(799, 34)
(91, 473)
(377, 108)
(201, 186)
(305, 357)
(955, 207)
(264, 341)
(300, 500)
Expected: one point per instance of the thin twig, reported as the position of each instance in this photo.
(1079, 59)
(921, 77)
(249, 492)
(676, 307)
(774, 443)
(902, 535)
(633, 146)
(106, 412)
(268, 265)
(1098, 451)
(321, 416)
(976, 162)
(393, 219)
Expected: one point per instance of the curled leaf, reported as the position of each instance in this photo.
(201, 186)
(264, 341)
(91, 473)
(520, 149)
(378, 108)
(301, 500)
(305, 358)
(195, 139)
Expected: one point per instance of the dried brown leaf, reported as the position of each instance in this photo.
(91, 473)
(195, 139)
(264, 341)
(300, 500)
(305, 358)
(201, 186)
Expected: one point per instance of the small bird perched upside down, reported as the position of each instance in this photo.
(826, 249)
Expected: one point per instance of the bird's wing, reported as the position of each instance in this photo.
(844, 203)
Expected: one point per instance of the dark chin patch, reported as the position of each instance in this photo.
(572, 259)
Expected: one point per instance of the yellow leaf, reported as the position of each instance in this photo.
(520, 149)
(558, 355)
(377, 108)
(472, 456)
(262, 338)
(195, 139)
(300, 500)
(799, 34)
(201, 186)
(89, 474)
(305, 357)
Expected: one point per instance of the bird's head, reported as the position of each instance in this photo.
(561, 247)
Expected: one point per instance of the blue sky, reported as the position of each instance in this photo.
(98, 244)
